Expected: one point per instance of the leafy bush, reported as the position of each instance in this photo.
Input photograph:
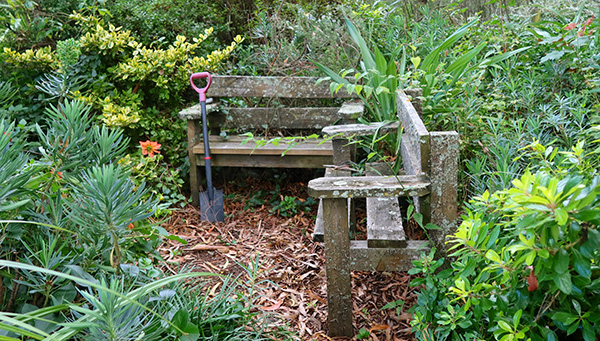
(523, 264)
(128, 84)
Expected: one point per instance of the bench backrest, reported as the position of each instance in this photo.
(306, 111)
(415, 147)
(435, 154)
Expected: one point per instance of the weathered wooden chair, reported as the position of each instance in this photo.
(269, 115)
(430, 161)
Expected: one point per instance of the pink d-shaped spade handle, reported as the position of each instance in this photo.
(201, 91)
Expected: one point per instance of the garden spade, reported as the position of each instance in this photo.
(211, 200)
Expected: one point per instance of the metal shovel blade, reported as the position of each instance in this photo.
(212, 210)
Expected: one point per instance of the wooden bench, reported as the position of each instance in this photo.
(430, 161)
(273, 105)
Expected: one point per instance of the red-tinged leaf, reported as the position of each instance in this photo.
(570, 26)
(272, 307)
(532, 280)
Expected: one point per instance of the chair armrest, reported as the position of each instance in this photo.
(369, 186)
(195, 113)
(350, 130)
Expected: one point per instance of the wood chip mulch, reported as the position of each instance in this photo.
(288, 258)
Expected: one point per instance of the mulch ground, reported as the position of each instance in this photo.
(288, 257)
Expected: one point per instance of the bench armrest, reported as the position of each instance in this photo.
(194, 112)
(350, 130)
(369, 186)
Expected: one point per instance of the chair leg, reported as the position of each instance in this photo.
(337, 252)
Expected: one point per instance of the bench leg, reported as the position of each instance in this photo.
(444, 179)
(193, 129)
(337, 252)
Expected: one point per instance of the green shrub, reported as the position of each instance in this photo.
(523, 265)
(128, 84)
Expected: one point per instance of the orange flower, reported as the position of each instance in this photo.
(130, 226)
(570, 26)
(149, 148)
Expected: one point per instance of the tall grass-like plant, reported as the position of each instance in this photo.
(107, 203)
(376, 82)
(110, 306)
(12, 163)
(71, 143)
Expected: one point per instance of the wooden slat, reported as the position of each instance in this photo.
(384, 219)
(276, 118)
(369, 186)
(364, 258)
(415, 100)
(267, 161)
(233, 145)
(384, 223)
(282, 87)
(194, 113)
(193, 132)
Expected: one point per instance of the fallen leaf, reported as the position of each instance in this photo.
(201, 247)
(378, 327)
(272, 307)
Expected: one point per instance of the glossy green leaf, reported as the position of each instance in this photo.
(180, 319)
(504, 325)
(581, 264)
(192, 333)
(564, 317)
(561, 216)
(561, 261)
(563, 282)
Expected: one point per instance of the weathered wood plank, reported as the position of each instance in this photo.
(233, 145)
(266, 161)
(352, 110)
(318, 232)
(369, 186)
(384, 219)
(364, 258)
(193, 131)
(361, 129)
(415, 137)
(384, 223)
(415, 100)
(277, 118)
(194, 112)
(337, 252)
(282, 87)
(343, 151)
(444, 179)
